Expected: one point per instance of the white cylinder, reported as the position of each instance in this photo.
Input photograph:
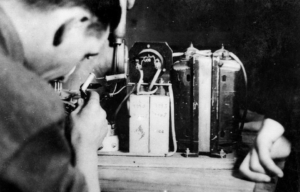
(88, 81)
(110, 144)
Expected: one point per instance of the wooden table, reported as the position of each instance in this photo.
(176, 173)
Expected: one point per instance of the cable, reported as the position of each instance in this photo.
(155, 78)
(246, 90)
(140, 81)
(172, 121)
(119, 107)
(243, 68)
(113, 94)
(115, 88)
(148, 92)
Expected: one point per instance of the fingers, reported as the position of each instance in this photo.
(255, 165)
(267, 136)
(93, 101)
(79, 107)
(249, 174)
(281, 148)
(130, 3)
(259, 164)
(266, 160)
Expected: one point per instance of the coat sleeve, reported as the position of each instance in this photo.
(42, 164)
(34, 153)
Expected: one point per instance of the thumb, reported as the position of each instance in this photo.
(79, 107)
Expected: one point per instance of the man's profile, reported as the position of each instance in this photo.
(40, 41)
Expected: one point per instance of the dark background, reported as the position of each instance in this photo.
(264, 34)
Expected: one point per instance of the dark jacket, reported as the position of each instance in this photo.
(34, 153)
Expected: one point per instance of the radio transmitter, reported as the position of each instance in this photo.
(206, 103)
(191, 105)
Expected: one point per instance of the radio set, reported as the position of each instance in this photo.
(204, 86)
(176, 102)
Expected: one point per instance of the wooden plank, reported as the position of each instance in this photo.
(168, 179)
(127, 172)
(263, 187)
(176, 161)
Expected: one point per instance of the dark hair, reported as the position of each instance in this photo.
(107, 11)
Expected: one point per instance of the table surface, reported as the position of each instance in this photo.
(176, 173)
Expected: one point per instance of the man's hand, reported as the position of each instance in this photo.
(89, 124)
(259, 164)
(89, 127)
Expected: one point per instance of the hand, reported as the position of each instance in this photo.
(130, 3)
(259, 164)
(89, 127)
(89, 124)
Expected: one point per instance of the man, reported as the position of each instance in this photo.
(41, 41)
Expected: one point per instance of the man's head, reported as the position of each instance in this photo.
(59, 34)
(107, 11)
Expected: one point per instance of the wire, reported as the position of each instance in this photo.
(140, 81)
(119, 107)
(246, 90)
(112, 94)
(69, 103)
(172, 121)
(148, 92)
(154, 79)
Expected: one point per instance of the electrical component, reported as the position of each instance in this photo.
(159, 124)
(203, 110)
(206, 101)
(113, 77)
(110, 142)
(139, 124)
(152, 105)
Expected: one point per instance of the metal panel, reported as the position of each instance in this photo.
(202, 100)
(182, 86)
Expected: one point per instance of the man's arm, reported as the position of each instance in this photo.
(89, 127)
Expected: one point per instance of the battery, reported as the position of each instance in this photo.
(139, 124)
(159, 124)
